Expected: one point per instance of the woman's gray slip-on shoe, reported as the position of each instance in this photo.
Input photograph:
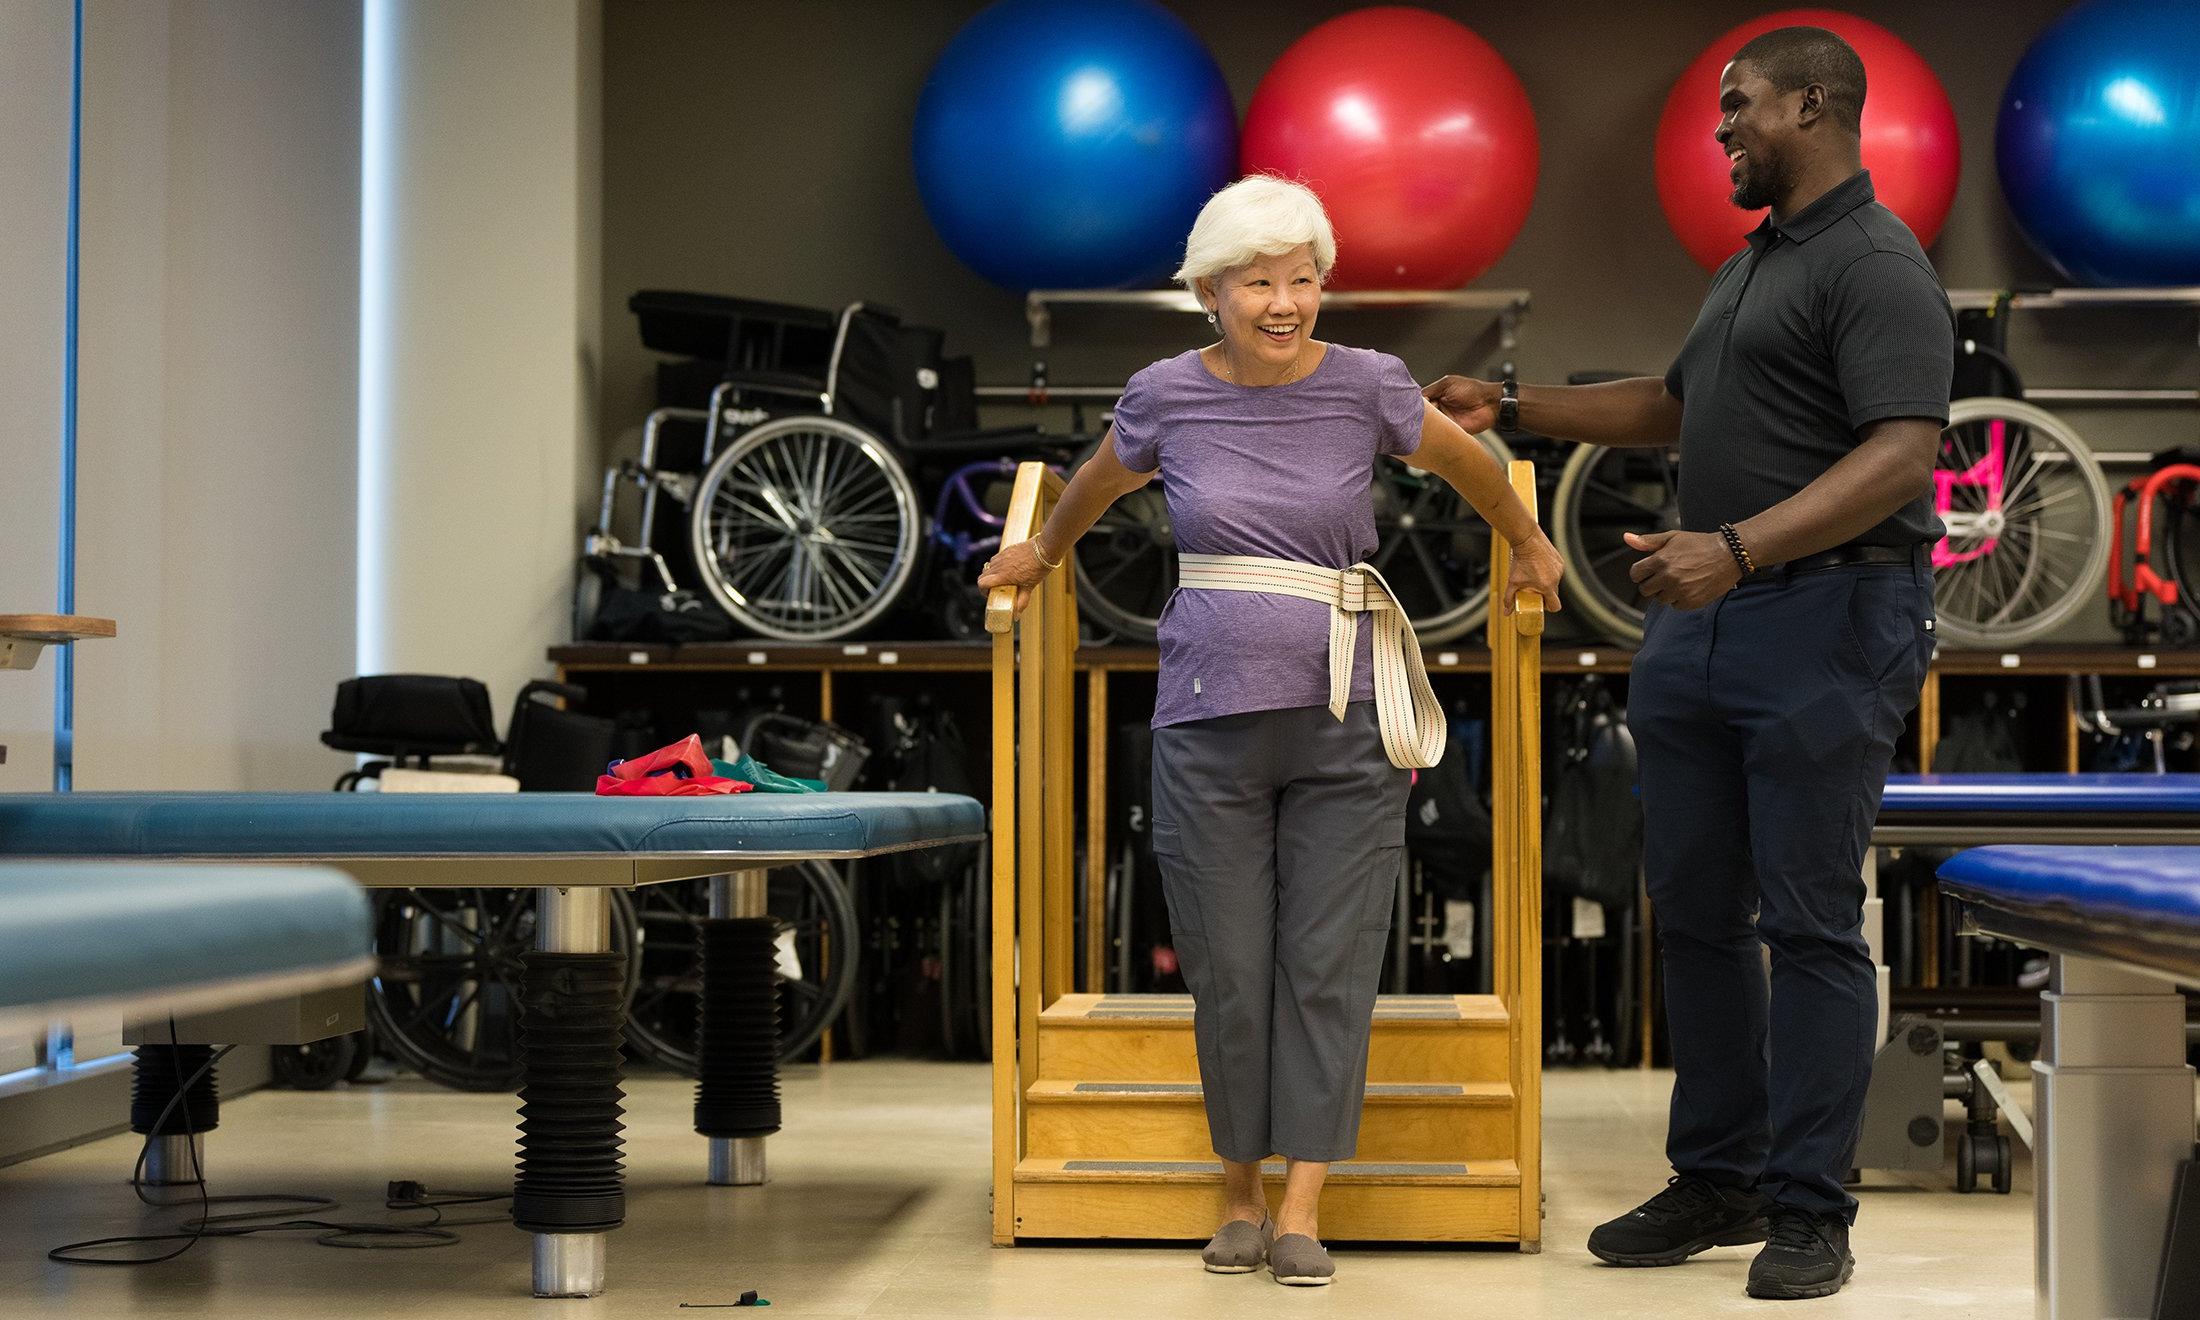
(1237, 1247)
(1299, 1261)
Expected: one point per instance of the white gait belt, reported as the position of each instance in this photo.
(1412, 719)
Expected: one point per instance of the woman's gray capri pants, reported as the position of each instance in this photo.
(1280, 834)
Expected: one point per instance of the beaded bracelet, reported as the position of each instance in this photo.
(1735, 548)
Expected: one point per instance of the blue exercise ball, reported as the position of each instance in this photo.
(2098, 143)
(1070, 143)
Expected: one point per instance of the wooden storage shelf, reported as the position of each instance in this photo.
(1466, 656)
(1115, 683)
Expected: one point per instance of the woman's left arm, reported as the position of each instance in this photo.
(1452, 454)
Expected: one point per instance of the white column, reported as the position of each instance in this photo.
(35, 44)
(478, 271)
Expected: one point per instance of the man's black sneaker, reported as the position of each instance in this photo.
(1805, 1255)
(1689, 1216)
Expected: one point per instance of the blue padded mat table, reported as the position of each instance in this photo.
(2118, 1206)
(423, 840)
(96, 938)
(1967, 810)
(2134, 905)
(572, 849)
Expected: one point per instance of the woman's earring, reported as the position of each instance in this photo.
(1211, 319)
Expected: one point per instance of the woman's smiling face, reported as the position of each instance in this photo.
(1266, 308)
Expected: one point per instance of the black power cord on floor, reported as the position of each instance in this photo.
(402, 1196)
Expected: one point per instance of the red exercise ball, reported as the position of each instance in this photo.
(1416, 135)
(1910, 141)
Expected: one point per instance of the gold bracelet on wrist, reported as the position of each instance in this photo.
(1048, 564)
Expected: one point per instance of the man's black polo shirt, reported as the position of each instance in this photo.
(1823, 324)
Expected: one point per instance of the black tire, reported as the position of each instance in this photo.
(363, 1057)
(2004, 1166)
(965, 944)
(1126, 565)
(810, 900)
(1602, 495)
(1966, 1165)
(2179, 627)
(316, 1066)
(445, 1001)
(954, 1013)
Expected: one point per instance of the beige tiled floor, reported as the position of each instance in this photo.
(878, 1208)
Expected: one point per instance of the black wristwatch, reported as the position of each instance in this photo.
(1508, 407)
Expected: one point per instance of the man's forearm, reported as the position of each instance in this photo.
(1635, 413)
(1868, 486)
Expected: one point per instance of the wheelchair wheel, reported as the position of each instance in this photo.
(806, 529)
(1126, 565)
(445, 1002)
(1602, 495)
(2027, 512)
(1432, 549)
(816, 922)
(965, 941)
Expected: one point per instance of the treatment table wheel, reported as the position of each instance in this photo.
(1983, 1157)
(446, 1000)
(319, 1065)
(812, 910)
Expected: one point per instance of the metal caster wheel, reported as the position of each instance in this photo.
(318, 1066)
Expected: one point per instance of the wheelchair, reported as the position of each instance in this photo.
(803, 449)
(445, 998)
(797, 482)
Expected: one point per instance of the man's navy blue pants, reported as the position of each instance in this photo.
(1764, 724)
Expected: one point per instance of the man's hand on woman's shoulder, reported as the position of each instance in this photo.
(1470, 403)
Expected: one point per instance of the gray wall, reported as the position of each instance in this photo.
(762, 148)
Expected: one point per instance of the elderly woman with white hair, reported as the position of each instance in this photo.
(1284, 730)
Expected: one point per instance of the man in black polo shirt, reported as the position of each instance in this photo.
(1788, 632)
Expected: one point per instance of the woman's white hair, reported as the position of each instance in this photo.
(1258, 216)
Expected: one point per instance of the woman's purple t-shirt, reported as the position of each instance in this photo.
(1280, 471)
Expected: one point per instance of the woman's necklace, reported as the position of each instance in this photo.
(1222, 352)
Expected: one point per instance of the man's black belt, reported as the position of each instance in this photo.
(1845, 556)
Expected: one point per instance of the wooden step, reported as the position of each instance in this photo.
(1134, 1038)
(1167, 1121)
(1363, 1201)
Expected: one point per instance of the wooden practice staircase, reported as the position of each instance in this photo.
(1099, 1131)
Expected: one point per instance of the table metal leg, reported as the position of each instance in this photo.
(2113, 1100)
(737, 1094)
(169, 1161)
(570, 1189)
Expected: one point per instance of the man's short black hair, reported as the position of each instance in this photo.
(1791, 58)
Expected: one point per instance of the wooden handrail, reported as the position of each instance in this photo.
(1516, 864)
(1034, 737)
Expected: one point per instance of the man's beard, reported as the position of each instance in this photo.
(1765, 180)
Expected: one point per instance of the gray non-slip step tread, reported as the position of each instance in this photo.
(1481, 1173)
(1383, 1013)
(1490, 1092)
(1384, 1170)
